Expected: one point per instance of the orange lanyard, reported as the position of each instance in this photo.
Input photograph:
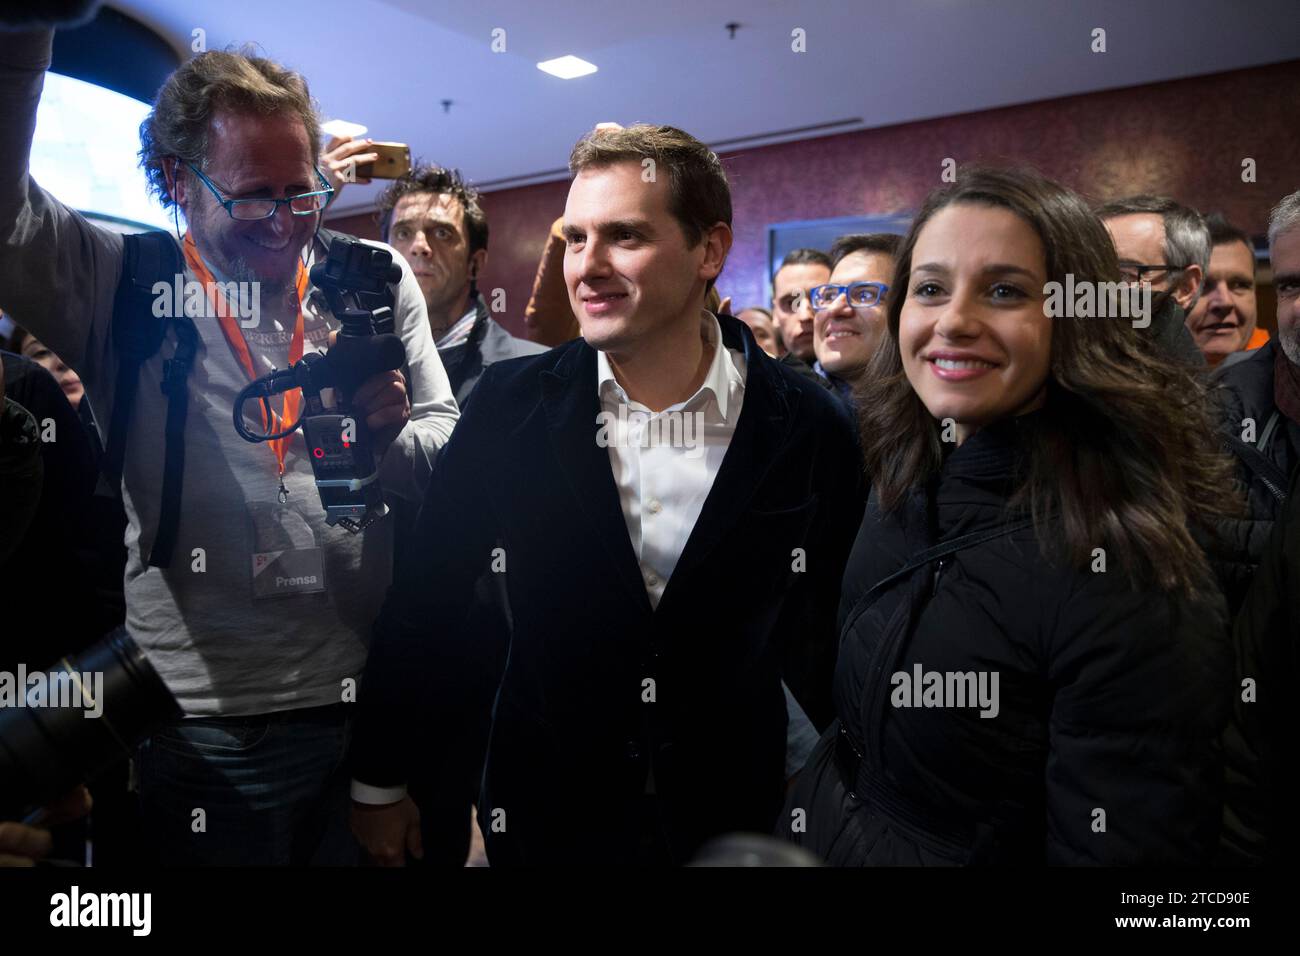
(235, 338)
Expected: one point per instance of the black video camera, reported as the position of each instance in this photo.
(355, 278)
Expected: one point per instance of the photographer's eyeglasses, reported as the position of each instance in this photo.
(861, 295)
(249, 210)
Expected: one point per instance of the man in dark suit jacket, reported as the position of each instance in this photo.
(661, 590)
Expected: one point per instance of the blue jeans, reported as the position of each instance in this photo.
(272, 790)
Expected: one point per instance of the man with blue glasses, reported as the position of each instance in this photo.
(264, 665)
(849, 311)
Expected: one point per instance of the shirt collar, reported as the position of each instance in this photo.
(460, 331)
(721, 379)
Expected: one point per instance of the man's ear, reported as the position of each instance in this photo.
(177, 187)
(1188, 286)
(477, 263)
(717, 244)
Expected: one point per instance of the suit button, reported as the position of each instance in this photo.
(633, 750)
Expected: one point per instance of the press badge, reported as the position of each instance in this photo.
(287, 557)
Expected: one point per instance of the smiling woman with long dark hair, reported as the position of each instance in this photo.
(1034, 662)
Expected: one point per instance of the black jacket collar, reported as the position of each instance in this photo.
(994, 451)
(571, 404)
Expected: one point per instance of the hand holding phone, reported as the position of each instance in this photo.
(392, 161)
(341, 159)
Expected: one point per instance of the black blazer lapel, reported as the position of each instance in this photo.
(764, 428)
(571, 403)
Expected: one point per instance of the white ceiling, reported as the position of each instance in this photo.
(389, 63)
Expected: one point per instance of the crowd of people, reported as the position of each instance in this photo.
(919, 562)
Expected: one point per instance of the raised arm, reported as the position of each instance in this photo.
(58, 272)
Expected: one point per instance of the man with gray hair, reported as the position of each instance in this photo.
(1260, 411)
(1166, 244)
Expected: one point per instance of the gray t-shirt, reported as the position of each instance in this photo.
(217, 648)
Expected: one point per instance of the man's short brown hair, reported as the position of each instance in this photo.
(698, 195)
(182, 113)
(430, 178)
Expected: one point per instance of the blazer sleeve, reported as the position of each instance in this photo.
(424, 663)
(1140, 699)
(808, 621)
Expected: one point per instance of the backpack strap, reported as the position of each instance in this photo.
(174, 385)
(941, 550)
(1270, 426)
(934, 553)
(137, 333)
(149, 258)
(1260, 465)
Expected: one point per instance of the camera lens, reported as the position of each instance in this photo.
(76, 719)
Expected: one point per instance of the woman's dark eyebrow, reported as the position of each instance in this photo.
(1005, 268)
(995, 269)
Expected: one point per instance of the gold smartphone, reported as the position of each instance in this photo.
(394, 162)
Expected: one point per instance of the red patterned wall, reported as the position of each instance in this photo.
(1186, 138)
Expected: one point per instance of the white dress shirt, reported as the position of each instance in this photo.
(664, 463)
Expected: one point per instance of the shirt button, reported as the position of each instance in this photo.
(633, 750)
(652, 579)
(654, 507)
